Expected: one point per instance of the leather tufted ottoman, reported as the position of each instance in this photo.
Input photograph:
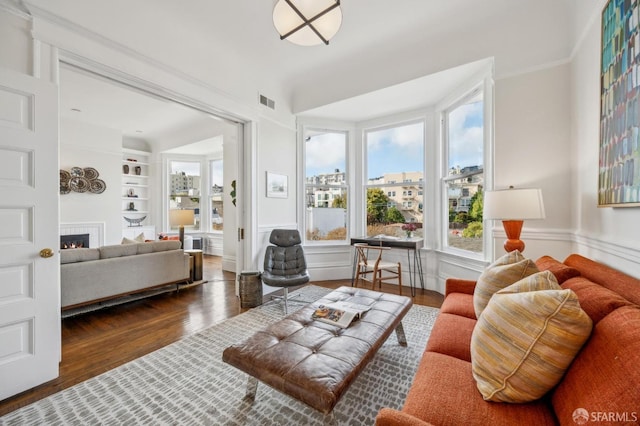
(316, 362)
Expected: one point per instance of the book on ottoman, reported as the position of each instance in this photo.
(339, 313)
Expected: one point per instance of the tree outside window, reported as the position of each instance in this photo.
(394, 165)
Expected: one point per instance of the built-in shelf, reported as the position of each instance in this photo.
(136, 170)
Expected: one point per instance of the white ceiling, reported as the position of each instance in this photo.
(401, 46)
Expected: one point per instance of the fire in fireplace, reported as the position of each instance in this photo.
(74, 241)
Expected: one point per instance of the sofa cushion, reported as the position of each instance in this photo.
(108, 252)
(126, 240)
(451, 335)
(526, 338)
(623, 284)
(459, 304)
(144, 248)
(596, 300)
(165, 245)
(505, 271)
(605, 377)
(444, 393)
(79, 255)
(561, 271)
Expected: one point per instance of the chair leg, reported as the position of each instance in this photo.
(286, 296)
(399, 279)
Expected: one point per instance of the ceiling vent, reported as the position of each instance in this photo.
(269, 103)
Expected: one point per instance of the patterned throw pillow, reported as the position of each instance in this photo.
(526, 338)
(506, 270)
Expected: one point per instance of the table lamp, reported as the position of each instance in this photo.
(181, 218)
(513, 206)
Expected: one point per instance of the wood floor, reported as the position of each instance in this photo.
(96, 342)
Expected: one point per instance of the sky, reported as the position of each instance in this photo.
(400, 149)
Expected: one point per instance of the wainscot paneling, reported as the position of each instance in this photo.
(621, 257)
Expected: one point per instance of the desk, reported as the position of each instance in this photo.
(413, 244)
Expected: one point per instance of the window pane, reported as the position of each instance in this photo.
(325, 186)
(393, 215)
(395, 158)
(216, 194)
(325, 157)
(326, 213)
(465, 177)
(185, 189)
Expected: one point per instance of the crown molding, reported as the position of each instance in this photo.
(241, 112)
(15, 7)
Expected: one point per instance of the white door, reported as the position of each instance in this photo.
(29, 261)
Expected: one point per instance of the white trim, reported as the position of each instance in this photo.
(15, 9)
(85, 33)
(620, 251)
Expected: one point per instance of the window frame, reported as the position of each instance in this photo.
(205, 195)
(483, 85)
(345, 185)
(364, 166)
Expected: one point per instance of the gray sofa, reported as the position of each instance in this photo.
(89, 275)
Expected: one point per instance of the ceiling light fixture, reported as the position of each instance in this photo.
(307, 22)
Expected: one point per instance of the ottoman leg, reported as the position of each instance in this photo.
(252, 388)
(402, 339)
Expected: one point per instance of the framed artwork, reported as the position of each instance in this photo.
(619, 150)
(277, 185)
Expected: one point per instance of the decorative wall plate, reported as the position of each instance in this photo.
(79, 184)
(64, 176)
(77, 172)
(64, 188)
(98, 186)
(90, 173)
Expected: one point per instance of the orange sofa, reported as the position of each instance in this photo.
(602, 384)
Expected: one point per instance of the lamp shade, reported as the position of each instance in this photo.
(513, 204)
(307, 22)
(178, 218)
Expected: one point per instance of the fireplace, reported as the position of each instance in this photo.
(74, 241)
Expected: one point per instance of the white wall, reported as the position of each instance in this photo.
(84, 145)
(277, 153)
(611, 235)
(532, 149)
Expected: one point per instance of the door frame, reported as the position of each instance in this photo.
(246, 218)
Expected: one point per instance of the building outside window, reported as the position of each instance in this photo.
(326, 188)
(185, 188)
(463, 183)
(395, 171)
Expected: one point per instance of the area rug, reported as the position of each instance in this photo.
(186, 383)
